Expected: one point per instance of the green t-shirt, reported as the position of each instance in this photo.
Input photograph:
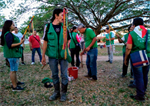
(139, 43)
(88, 37)
(110, 35)
(73, 40)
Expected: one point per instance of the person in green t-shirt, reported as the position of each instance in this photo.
(124, 40)
(109, 44)
(74, 40)
(136, 42)
(91, 49)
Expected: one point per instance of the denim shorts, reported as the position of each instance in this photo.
(14, 63)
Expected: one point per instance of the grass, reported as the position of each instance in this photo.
(109, 90)
(117, 52)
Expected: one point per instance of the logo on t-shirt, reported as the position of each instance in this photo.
(57, 30)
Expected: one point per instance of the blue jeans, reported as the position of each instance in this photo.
(53, 63)
(39, 53)
(141, 77)
(14, 63)
(91, 63)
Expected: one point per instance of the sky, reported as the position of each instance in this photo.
(9, 12)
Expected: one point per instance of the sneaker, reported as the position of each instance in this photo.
(108, 61)
(32, 63)
(40, 62)
(18, 88)
(141, 99)
(23, 63)
(20, 83)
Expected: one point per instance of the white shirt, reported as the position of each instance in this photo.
(19, 35)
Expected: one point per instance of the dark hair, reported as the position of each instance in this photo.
(6, 28)
(107, 28)
(138, 21)
(57, 11)
(129, 28)
(73, 28)
(15, 27)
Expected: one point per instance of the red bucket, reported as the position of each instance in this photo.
(73, 71)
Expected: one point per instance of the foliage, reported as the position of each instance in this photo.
(94, 13)
(2, 20)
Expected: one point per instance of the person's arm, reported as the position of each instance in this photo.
(128, 48)
(92, 43)
(43, 54)
(24, 39)
(17, 44)
(112, 36)
(107, 39)
(9, 41)
(78, 38)
(83, 51)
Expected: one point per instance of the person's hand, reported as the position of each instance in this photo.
(22, 40)
(43, 61)
(87, 49)
(31, 48)
(82, 53)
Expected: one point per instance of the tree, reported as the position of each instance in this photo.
(2, 20)
(98, 13)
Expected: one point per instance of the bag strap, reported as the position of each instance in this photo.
(146, 39)
(73, 39)
(36, 39)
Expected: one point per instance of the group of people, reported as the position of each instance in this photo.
(52, 47)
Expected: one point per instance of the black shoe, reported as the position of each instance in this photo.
(132, 86)
(20, 83)
(108, 61)
(18, 88)
(56, 93)
(131, 82)
(123, 76)
(63, 97)
(22, 63)
(141, 99)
